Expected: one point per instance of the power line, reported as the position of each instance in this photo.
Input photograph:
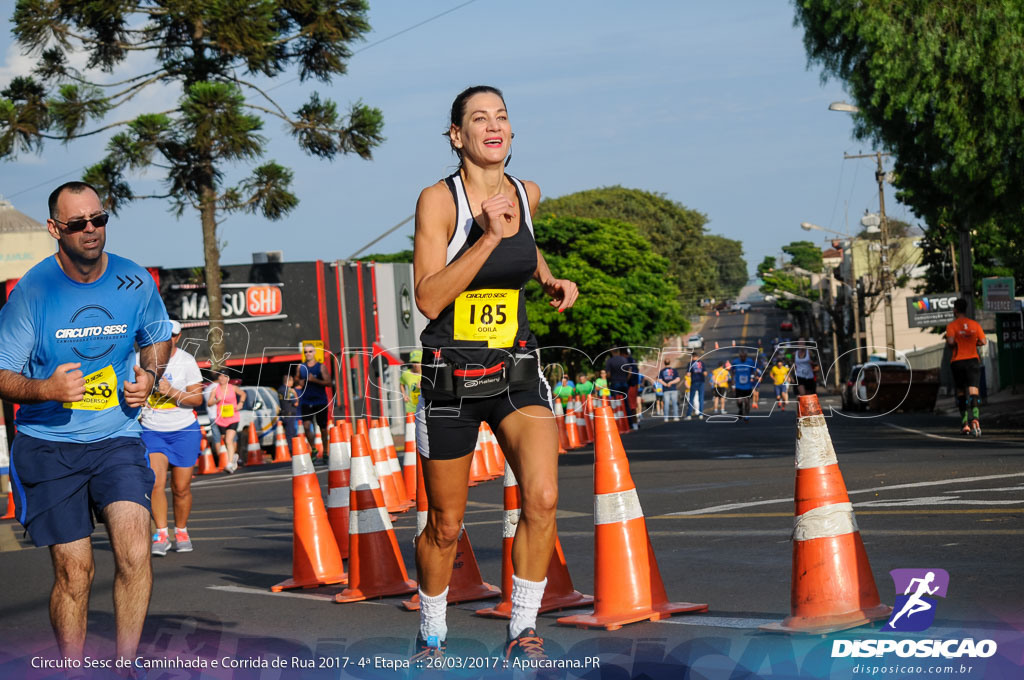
(288, 82)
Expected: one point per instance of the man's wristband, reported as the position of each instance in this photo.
(152, 373)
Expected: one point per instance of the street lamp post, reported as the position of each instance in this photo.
(890, 333)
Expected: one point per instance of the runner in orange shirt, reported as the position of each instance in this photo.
(964, 335)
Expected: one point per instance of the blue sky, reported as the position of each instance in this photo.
(710, 104)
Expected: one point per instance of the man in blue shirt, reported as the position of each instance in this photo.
(67, 355)
(311, 382)
(698, 371)
(669, 379)
(743, 372)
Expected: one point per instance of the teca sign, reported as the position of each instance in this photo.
(239, 302)
(925, 311)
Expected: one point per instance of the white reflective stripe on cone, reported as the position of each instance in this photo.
(621, 506)
(339, 456)
(338, 497)
(362, 476)
(421, 521)
(302, 464)
(254, 447)
(813, 445)
(826, 521)
(369, 521)
(508, 527)
(510, 479)
(382, 468)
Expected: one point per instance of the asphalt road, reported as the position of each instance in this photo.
(718, 501)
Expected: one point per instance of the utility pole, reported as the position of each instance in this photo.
(890, 334)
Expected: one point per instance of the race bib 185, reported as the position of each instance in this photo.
(488, 315)
(100, 391)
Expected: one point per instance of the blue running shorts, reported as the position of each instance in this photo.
(180, 446)
(58, 486)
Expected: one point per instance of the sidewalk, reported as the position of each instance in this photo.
(1001, 408)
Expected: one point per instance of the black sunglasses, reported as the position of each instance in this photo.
(75, 226)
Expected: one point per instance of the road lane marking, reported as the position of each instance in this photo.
(744, 623)
(788, 531)
(961, 438)
(910, 485)
(757, 515)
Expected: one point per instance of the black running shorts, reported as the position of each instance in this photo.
(447, 429)
(966, 373)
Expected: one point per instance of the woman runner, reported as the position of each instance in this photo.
(474, 253)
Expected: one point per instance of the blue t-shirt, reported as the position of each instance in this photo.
(666, 376)
(312, 394)
(743, 371)
(697, 371)
(50, 320)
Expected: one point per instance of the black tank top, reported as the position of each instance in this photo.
(488, 321)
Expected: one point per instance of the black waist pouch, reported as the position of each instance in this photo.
(445, 381)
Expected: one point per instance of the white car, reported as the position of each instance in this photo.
(695, 342)
(740, 307)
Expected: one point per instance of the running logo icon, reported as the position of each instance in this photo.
(914, 610)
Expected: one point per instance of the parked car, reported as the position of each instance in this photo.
(740, 307)
(695, 342)
(786, 326)
(260, 405)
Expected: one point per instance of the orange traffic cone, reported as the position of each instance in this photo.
(588, 418)
(339, 451)
(281, 453)
(375, 563)
(621, 419)
(385, 477)
(627, 582)
(489, 446)
(222, 456)
(559, 592)
(254, 452)
(205, 465)
(466, 584)
(716, 341)
(316, 559)
(409, 457)
(318, 442)
(572, 433)
(563, 441)
(586, 436)
(10, 505)
(477, 467)
(832, 585)
(407, 495)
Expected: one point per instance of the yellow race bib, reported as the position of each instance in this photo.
(227, 410)
(100, 392)
(157, 400)
(488, 315)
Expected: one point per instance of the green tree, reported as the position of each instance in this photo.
(214, 52)
(626, 298)
(941, 86)
(805, 255)
(674, 231)
(730, 267)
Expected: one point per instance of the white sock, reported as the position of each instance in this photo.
(526, 599)
(433, 616)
